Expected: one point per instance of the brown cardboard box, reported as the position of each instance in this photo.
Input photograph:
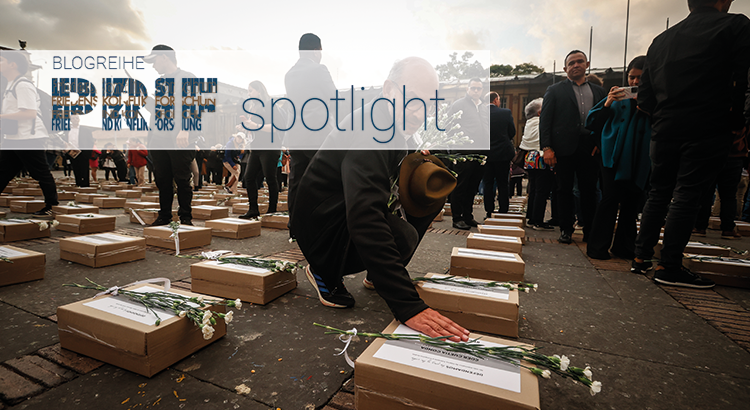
(102, 249)
(21, 230)
(439, 216)
(150, 198)
(27, 265)
(26, 207)
(714, 223)
(723, 271)
(109, 202)
(447, 209)
(239, 209)
(237, 200)
(6, 199)
(504, 222)
(190, 236)
(282, 206)
(743, 228)
(484, 264)
(144, 189)
(148, 216)
(140, 205)
(86, 223)
(494, 242)
(398, 375)
(698, 249)
(128, 193)
(250, 284)
(111, 187)
(2, 214)
(86, 198)
(66, 196)
(204, 201)
(204, 212)
(489, 310)
(78, 209)
(220, 197)
(234, 228)
(138, 346)
(504, 231)
(505, 216)
(88, 190)
(275, 221)
(18, 191)
(32, 192)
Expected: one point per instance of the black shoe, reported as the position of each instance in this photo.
(565, 238)
(248, 215)
(552, 221)
(640, 267)
(161, 221)
(44, 212)
(185, 221)
(683, 277)
(600, 256)
(461, 225)
(339, 297)
(543, 227)
(472, 222)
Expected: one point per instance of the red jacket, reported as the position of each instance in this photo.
(137, 157)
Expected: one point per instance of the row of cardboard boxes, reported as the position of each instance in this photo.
(29, 204)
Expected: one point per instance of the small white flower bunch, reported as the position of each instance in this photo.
(43, 226)
(208, 331)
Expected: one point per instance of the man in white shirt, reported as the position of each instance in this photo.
(23, 130)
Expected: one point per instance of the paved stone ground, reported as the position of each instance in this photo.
(652, 347)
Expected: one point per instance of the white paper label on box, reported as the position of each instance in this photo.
(128, 309)
(10, 253)
(479, 370)
(497, 227)
(486, 254)
(500, 238)
(13, 221)
(87, 216)
(499, 293)
(234, 220)
(102, 239)
(504, 220)
(735, 262)
(185, 228)
(209, 207)
(252, 269)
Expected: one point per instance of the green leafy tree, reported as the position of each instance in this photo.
(500, 70)
(462, 69)
(527, 68)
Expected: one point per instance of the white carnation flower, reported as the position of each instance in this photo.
(546, 374)
(596, 387)
(183, 314)
(587, 372)
(564, 363)
(208, 332)
(238, 304)
(228, 317)
(43, 226)
(207, 317)
(55, 223)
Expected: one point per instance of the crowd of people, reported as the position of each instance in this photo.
(657, 147)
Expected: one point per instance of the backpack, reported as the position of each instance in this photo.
(44, 113)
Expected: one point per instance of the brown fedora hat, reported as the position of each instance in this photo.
(424, 184)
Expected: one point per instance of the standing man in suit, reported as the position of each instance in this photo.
(502, 132)
(305, 80)
(80, 137)
(693, 86)
(474, 123)
(569, 147)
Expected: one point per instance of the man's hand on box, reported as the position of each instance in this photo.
(433, 324)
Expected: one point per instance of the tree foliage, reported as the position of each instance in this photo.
(462, 69)
(502, 70)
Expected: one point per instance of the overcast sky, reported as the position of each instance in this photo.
(515, 31)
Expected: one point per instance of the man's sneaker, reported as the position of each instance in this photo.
(368, 284)
(543, 227)
(699, 232)
(338, 297)
(683, 277)
(44, 212)
(731, 235)
(640, 267)
(161, 221)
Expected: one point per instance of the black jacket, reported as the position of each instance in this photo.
(502, 132)
(305, 80)
(560, 123)
(474, 124)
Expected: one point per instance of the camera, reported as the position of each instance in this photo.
(630, 92)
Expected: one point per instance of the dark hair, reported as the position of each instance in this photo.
(309, 41)
(694, 4)
(637, 63)
(17, 57)
(260, 88)
(476, 79)
(493, 96)
(574, 52)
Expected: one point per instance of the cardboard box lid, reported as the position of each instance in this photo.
(85, 217)
(496, 302)
(101, 244)
(14, 252)
(499, 228)
(240, 275)
(233, 224)
(435, 378)
(165, 231)
(209, 207)
(459, 254)
(121, 323)
(495, 238)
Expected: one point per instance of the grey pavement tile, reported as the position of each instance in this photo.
(739, 296)
(638, 289)
(633, 383)
(293, 361)
(23, 333)
(554, 254)
(113, 388)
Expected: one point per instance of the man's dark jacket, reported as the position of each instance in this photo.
(560, 123)
(502, 132)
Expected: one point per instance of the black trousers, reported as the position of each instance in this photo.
(622, 195)
(470, 174)
(681, 172)
(584, 166)
(299, 160)
(81, 168)
(35, 163)
(266, 161)
(122, 171)
(726, 183)
(173, 165)
(542, 180)
(496, 172)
